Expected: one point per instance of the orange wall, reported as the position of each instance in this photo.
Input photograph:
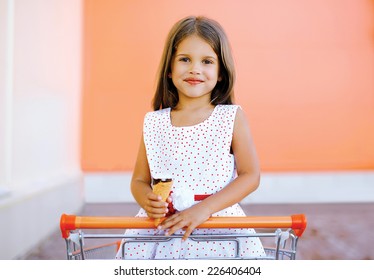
(305, 78)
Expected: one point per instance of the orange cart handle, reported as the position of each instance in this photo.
(71, 222)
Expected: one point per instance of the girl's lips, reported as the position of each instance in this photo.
(193, 81)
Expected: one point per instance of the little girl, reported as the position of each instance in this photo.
(196, 137)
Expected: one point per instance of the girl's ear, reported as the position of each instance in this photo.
(169, 75)
(219, 79)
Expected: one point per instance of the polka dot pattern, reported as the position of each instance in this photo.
(198, 158)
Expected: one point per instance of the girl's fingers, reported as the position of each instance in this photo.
(156, 209)
(154, 197)
(161, 211)
(173, 229)
(156, 216)
(187, 233)
(175, 223)
(156, 212)
(158, 204)
(170, 221)
(186, 220)
(180, 225)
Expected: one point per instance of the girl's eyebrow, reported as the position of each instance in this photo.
(208, 56)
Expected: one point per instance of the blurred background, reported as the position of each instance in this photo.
(77, 77)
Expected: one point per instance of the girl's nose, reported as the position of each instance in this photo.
(195, 69)
(195, 72)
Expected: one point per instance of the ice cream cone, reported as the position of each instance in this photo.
(162, 188)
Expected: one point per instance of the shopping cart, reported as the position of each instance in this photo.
(279, 234)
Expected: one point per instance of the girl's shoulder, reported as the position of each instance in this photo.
(225, 109)
(158, 113)
(156, 116)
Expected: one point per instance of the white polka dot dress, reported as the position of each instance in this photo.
(198, 158)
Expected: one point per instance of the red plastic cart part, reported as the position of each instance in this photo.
(71, 222)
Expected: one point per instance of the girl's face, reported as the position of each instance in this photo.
(194, 68)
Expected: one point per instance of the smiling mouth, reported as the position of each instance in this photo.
(193, 81)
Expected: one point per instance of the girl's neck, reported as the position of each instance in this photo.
(193, 105)
(190, 113)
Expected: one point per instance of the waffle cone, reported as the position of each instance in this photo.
(162, 189)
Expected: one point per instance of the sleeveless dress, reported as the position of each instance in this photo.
(198, 158)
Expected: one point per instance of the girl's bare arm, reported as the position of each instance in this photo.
(141, 187)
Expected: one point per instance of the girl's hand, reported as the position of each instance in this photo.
(155, 207)
(187, 219)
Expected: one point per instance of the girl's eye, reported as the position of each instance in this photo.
(184, 59)
(207, 61)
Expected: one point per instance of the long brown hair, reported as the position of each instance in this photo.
(166, 94)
